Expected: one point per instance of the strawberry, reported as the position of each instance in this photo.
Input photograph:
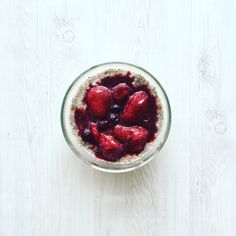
(99, 101)
(94, 131)
(120, 92)
(135, 136)
(110, 148)
(136, 107)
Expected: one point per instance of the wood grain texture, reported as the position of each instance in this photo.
(189, 189)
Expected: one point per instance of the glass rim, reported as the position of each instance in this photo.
(94, 165)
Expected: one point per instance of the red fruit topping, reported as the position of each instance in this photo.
(112, 105)
(94, 131)
(129, 73)
(80, 117)
(120, 92)
(110, 148)
(136, 108)
(134, 136)
(99, 100)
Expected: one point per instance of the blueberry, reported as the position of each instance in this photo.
(87, 135)
(113, 119)
(102, 125)
(116, 109)
(146, 123)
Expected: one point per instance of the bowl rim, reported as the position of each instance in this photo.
(94, 165)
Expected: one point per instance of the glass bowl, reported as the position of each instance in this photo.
(82, 151)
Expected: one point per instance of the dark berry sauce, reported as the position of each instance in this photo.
(105, 125)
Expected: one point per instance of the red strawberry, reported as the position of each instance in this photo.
(110, 148)
(99, 100)
(136, 107)
(135, 137)
(120, 92)
(94, 131)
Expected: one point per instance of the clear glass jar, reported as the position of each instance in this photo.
(82, 151)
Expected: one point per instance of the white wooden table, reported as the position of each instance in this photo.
(189, 189)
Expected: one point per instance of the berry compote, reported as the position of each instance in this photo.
(119, 116)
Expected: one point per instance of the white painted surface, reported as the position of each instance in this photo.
(190, 189)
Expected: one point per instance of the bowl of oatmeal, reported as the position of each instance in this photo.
(116, 117)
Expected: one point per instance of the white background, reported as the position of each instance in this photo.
(189, 189)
